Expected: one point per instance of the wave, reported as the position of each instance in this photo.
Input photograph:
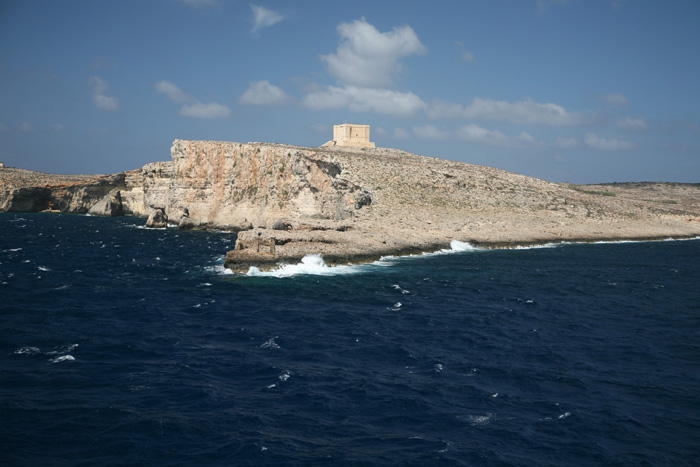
(313, 264)
(310, 265)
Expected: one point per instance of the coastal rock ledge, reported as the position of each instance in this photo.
(356, 204)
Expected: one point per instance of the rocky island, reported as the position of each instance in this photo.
(354, 204)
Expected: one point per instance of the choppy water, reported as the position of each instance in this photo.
(126, 346)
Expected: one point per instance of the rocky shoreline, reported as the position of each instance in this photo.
(356, 205)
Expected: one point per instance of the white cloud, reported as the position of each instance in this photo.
(194, 108)
(200, 3)
(58, 127)
(430, 132)
(264, 93)
(369, 58)
(321, 128)
(27, 127)
(400, 133)
(526, 137)
(199, 110)
(521, 112)
(630, 123)
(172, 91)
(382, 101)
(563, 142)
(380, 131)
(99, 98)
(465, 55)
(477, 134)
(614, 99)
(264, 18)
(596, 142)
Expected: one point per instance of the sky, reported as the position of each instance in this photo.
(580, 91)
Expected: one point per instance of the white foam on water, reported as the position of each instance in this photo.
(480, 420)
(397, 306)
(284, 376)
(63, 349)
(310, 265)
(403, 291)
(270, 344)
(43, 268)
(533, 247)
(456, 245)
(564, 415)
(27, 351)
(11, 250)
(63, 358)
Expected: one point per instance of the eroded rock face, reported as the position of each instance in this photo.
(241, 186)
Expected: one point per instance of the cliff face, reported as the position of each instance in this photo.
(207, 184)
(26, 191)
(237, 186)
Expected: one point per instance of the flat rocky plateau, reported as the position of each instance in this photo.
(355, 205)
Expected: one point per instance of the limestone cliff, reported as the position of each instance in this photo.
(238, 186)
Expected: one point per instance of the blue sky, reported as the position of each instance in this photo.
(583, 91)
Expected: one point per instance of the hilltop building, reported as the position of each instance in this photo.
(349, 134)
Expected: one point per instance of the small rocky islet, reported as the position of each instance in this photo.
(355, 204)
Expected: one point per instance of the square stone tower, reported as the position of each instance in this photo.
(349, 134)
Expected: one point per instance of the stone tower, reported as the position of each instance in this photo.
(349, 134)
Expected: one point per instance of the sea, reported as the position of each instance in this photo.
(121, 345)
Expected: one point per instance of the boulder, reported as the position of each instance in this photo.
(158, 219)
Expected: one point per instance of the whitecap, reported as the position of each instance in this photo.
(12, 250)
(270, 344)
(63, 358)
(218, 269)
(397, 306)
(480, 420)
(27, 351)
(533, 247)
(564, 415)
(43, 268)
(398, 287)
(456, 245)
(284, 376)
(63, 349)
(438, 367)
(311, 264)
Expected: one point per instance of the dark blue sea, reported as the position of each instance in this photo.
(126, 346)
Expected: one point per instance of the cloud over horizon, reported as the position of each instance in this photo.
(520, 112)
(99, 98)
(264, 93)
(603, 144)
(381, 101)
(192, 108)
